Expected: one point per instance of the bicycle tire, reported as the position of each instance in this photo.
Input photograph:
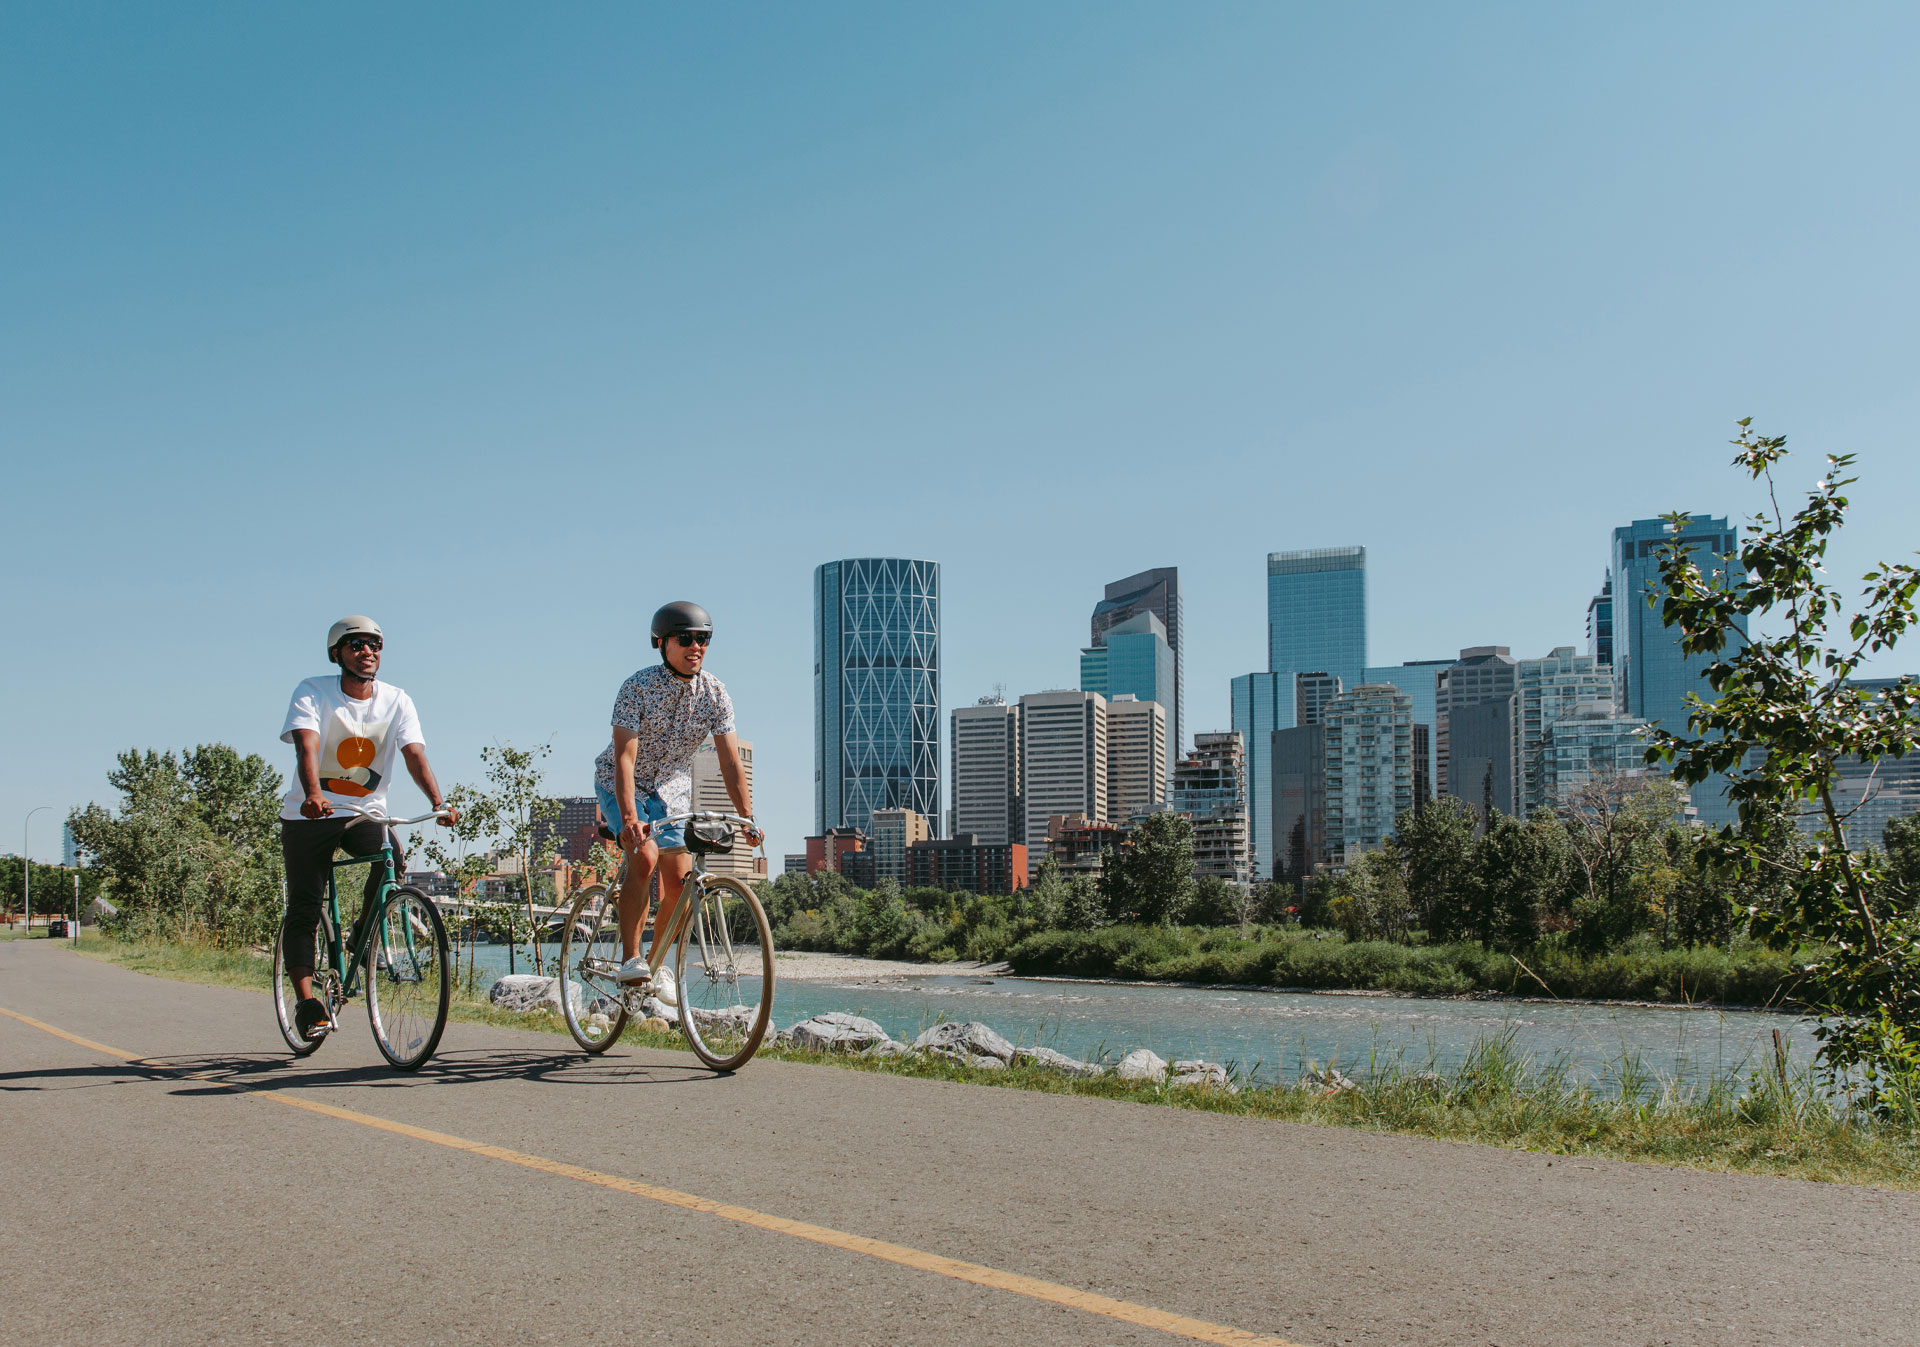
(408, 968)
(591, 962)
(723, 1030)
(285, 998)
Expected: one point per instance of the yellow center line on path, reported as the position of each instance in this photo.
(1052, 1293)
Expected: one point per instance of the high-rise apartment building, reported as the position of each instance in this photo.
(1651, 674)
(1133, 660)
(710, 792)
(1592, 742)
(1299, 801)
(876, 690)
(967, 863)
(1420, 680)
(1600, 624)
(1872, 794)
(895, 830)
(1210, 786)
(984, 758)
(1317, 612)
(1063, 760)
(1482, 674)
(1549, 689)
(1136, 756)
(1368, 777)
(1158, 592)
(1257, 713)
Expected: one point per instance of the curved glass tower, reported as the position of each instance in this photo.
(876, 690)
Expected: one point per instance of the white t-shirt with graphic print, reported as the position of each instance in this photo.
(360, 741)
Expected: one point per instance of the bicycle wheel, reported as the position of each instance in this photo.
(285, 998)
(409, 978)
(724, 965)
(590, 999)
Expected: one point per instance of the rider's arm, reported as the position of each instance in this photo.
(626, 750)
(727, 748)
(422, 774)
(306, 758)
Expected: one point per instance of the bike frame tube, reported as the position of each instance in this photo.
(347, 962)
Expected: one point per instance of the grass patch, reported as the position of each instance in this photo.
(1771, 1123)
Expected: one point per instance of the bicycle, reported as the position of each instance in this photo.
(399, 941)
(714, 963)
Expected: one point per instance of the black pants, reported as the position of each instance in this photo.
(307, 845)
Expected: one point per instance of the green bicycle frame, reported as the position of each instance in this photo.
(346, 963)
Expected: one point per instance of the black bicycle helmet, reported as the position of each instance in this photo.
(679, 616)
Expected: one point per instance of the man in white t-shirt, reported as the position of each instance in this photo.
(346, 729)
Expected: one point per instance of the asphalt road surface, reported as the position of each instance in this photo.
(212, 1190)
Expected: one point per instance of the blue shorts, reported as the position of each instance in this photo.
(652, 810)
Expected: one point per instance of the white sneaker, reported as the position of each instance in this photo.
(665, 989)
(634, 970)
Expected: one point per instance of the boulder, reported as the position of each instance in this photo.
(963, 1042)
(889, 1047)
(1142, 1064)
(1201, 1075)
(523, 992)
(835, 1031)
(1057, 1061)
(653, 1008)
(1329, 1081)
(655, 1025)
(732, 1020)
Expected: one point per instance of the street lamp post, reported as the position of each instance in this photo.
(26, 868)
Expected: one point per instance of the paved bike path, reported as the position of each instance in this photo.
(146, 1206)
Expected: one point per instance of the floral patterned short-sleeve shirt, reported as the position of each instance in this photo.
(672, 717)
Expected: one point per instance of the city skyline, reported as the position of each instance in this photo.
(886, 283)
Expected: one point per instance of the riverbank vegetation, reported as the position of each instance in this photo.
(1775, 1121)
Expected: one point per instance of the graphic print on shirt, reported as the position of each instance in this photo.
(349, 752)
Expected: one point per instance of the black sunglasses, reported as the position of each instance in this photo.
(691, 638)
(359, 643)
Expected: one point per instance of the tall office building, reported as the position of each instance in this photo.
(894, 830)
(1136, 756)
(1258, 711)
(1600, 624)
(984, 757)
(710, 792)
(1134, 660)
(1317, 613)
(1311, 693)
(1368, 734)
(1420, 680)
(1483, 673)
(1210, 787)
(1063, 760)
(876, 690)
(1591, 742)
(1158, 592)
(1549, 689)
(1299, 801)
(1651, 675)
(1873, 794)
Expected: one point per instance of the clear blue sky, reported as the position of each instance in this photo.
(506, 323)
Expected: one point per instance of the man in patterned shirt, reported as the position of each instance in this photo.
(660, 718)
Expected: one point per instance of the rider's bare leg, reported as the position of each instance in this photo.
(633, 895)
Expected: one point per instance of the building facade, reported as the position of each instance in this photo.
(1420, 680)
(1600, 624)
(1317, 613)
(1369, 768)
(876, 683)
(894, 832)
(1063, 759)
(1311, 693)
(984, 761)
(1550, 689)
(833, 849)
(1210, 787)
(967, 864)
(1483, 673)
(1257, 715)
(1299, 802)
(1651, 674)
(1136, 756)
(710, 792)
(1592, 742)
(1134, 661)
(1158, 592)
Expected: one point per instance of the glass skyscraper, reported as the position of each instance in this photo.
(1419, 679)
(1135, 661)
(1651, 676)
(1258, 702)
(1158, 592)
(876, 690)
(1317, 613)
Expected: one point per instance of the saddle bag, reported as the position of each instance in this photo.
(709, 836)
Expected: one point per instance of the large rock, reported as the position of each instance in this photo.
(965, 1042)
(835, 1031)
(1201, 1075)
(523, 992)
(1142, 1064)
(891, 1047)
(1058, 1061)
(720, 1023)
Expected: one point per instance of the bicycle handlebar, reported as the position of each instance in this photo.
(382, 818)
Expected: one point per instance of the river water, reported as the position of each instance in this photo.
(1274, 1035)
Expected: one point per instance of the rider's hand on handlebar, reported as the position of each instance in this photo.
(446, 816)
(315, 806)
(633, 835)
(754, 836)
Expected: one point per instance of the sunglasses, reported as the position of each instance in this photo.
(358, 643)
(692, 638)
